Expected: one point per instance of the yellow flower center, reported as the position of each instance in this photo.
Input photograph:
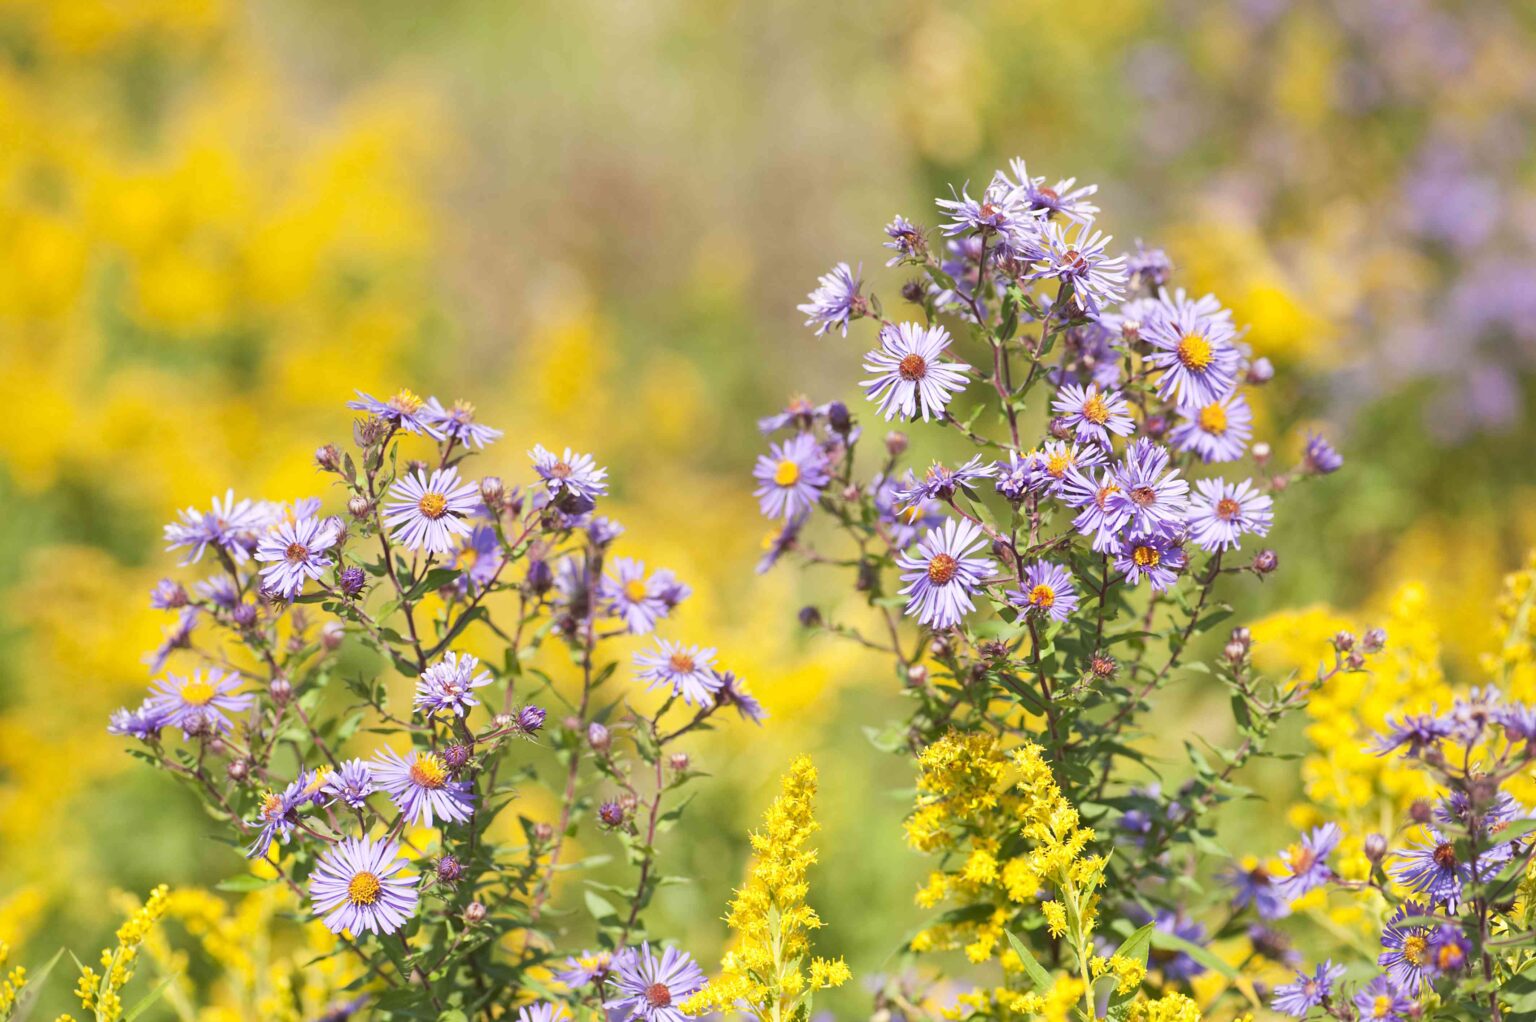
(913, 368)
(433, 505)
(682, 663)
(364, 889)
(271, 806)
(322, 774)
(1213, 419)
(942, 568)
(467, 557)
(911, 514)
(1094, 409)
(1146, 557)
(1381, 1006)
(1042, 596)
(428, 771)
(1194, 352)
(1058, 462)
(198, 692)
(405, 401)
(635, 590)
(1414, 948)
(1104, 493)
(787, 474)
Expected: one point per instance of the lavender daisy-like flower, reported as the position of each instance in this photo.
(1194, 350)
(277, 814)
(904, 519)
(178, 636)
(907, 241)
(421, 788)
(1156, 558)
(689, 670)
(295, 552)
(458, 423)
(1416, 731)
(1448, 950)
(940, 483)
(143, 723)
(1381, 1000)
(733, 692)
(1047, 591)
(998, 211)
(1319, 457)
(799, 412)
(543, 1011)
(352, 783)
(428, 512)
(1406, 954)
(1149, 268)
(1049, 466)
(1253, 885)
(1064, 199)
(1306, 992)
(791, 477)
(1222, 512)
(404, 409)
(1152, 497)
(168, 595)
(1307, 861)
(1176, 964)
(941, 576)
(232, 526)
(1074, 255)
(835, 301)
(197, 703)
(1518, 721)
(1219, 431)
(649, 987)
(448, 685)
(479, 559)
(357, 889)
(780, 541)
(570, 473)
(911, 379)
(1437, 870)
(1093, 414)
(633, 597)
(586, 968)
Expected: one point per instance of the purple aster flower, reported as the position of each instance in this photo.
(1074, 256)
(295, 552)
(1307, 992)
(448, 685)
(1307, 861)
(1219, 431)
(143, 723)
(1418, 731)
(352, 783)
(940, 483)
(1319, 456)
(530, 719)
(570, 473)
(479, 559)
(1448, 950)
(1381, 1000)
(167, 595)
(911, 379)
(458, 423)
(197, 703)
(1195, 351)
(1252, 885)
(1016, 476)
(998, 211)
(421, 788)
(1063, 199)
(405, 410)
(232, 526)
(1406, 957)
(688, 669)
(585, 969)
(1047, 590)
(1050, 465)
(733, 692)
(780, 541)
(1093, 414)
(649, 987)
(1518, 721)
(1149, 268)
(907, 241)
(904, 519)
(1177, 965)
(1152, 497)
(800, 413)
(1436, 869)
(1471, 714)
(1222, 512)
(1274, 945)
(602, 531)
(1157, 558)
(178, 636)
(220, 590)
(942, 575)
(835, 301)
(351, 580)
(791, 477)
(543, 1011)
(1099, 517)
(632, 597)
(277, 814)
(427, 512)
(356, 888)
(611, 813)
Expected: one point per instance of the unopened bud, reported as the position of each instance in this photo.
(331, 634)
(1374, 641)
(328, 457)
(244, 615)
(1261, 371)
(679, 762)
(1265, 561)
(530, 719)
(1103, 665)
(1375, 847)
(1235, 651)
(1261, 452)
(1343, 642)
(456, 756)
(474, 912)
(913, 291)
(492, 492)
(611, 813)
(1355, 660)
(543, 832)
(895, 443)
(540, 577)
(917, 676)
(1420, 811)
(1156, 426)
(358, 507)
(598, 737)
(1060, 428)
(281, 690)
(449, 870)
(810, 617)
(238, 770)
(217, 746)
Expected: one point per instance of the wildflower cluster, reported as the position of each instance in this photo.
(101, 993)
(377, 801)
(1040, 583)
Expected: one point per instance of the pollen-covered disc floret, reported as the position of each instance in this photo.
(429, 512)
(357, 888)
(943, 573)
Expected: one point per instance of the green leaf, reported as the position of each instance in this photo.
(1168, 942)
(1138, 944)
(148, 1000)
(1037, 975)
(243, 884)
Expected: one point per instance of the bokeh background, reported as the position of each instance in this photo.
(594, 220)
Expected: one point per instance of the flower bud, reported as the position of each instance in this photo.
(611, 813)
(281, 690)
(371, 430)
(895, 443)
(851, 492)
(217, 746)
(238, 770)
(1060, 429)
(1261, 452)
(1261, 371)
(328, 458)
(358, 507)
(679, 762)
(839, 418)
(449, 870)
(1156, 426)
(1280, 484)
(1103, 665)
(492, 492)
(867, 576)
(1375, 847)
(1265, 561)
(810, 617)
(917, 676)
(1344, 642)
(1355, 660)
(598, 737)
(351, 580)
(474, 912)
(331, 634)
(913, 291)
(168, 595)
(540, 577)
(1374, 641)
(1234, 652)
(543, 832)
(530, 719)
(1420, 811)
(456, 756)
(244, 615)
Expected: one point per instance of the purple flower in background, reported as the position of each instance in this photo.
(1417, 731)
(1075, 257)
(448, 685)
(1381, 1000)
(1471, 714)
(1194, 350)
(791, 477)
(904, 519)
(1307, 861)
(907, 240)
(479, 559)
(405, 410)
(352, 783)
(458, 423)
(780, 541)
(427, 512)
(1306, 992)
(197, 703)
(1047, 590)
(1016, 476)
(733, 692)
(1156, 558)
(1518, 721)
(602, 530)
(1222, 512)
(631, 596)
(178, 636)
(1093, 414)
(1148, 268)
(277, 814)
(232, 526)
(689, 670)
(1099, 516)
(357, 889)
(649, 987)
(351, 580)
(1271, 943)
(1319, 456)
(1252, 885)
(585, 969)
(835, 301)
(221, 590)
(1064, 198)
(1448, 949)
(1176, 964)
(1406, 957)
(1219, 431)
(143, 723)
(421, 788)
(911, 380)
(168, 595)
(570, 473)
(1152, 498)
(942, 575)
(295, 552)
(799, 413)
